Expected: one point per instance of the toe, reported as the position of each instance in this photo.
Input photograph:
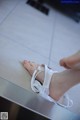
(30, 66)
(26, 64)
(33, 64)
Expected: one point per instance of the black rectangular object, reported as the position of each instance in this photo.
(17, 112)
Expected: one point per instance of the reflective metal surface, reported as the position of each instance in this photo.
(17, 112)
(34, 102)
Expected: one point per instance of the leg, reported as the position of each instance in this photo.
(60, 82)
(63, 81)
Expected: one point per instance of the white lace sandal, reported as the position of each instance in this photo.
(43, 89)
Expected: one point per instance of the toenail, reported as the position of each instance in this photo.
(25, 61)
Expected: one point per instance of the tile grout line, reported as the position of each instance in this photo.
(52, 39)
(10, 12)
(10, 39)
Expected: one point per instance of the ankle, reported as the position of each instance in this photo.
(57, 86)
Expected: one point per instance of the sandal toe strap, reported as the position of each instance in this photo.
(43, 89)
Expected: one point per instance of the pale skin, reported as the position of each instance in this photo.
(61, 82)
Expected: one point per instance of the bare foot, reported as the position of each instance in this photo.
(55, 87)
(60, 82)
(71, 62)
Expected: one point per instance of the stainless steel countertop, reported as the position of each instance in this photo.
(34, 102)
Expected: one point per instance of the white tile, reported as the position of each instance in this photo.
(30, 27)
(67, 23)
(66, 40)
(55, 66)
(63, 47)
(6, 6)
(74, 95)
(10, 67)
